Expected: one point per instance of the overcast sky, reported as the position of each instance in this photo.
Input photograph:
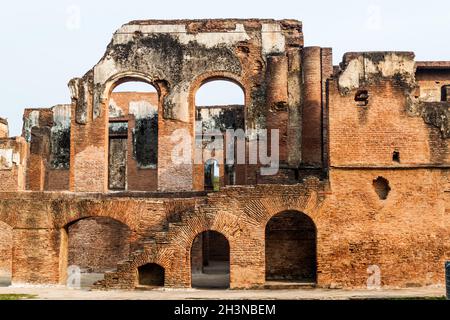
(46, 43)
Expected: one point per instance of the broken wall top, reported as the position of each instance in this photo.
(172, 55)
(359, 69)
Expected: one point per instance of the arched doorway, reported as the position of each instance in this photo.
(133, 137)
(291, 239)
(220, 107)
(151, 275)
(6, 242)
(96, 245)
(210, 261)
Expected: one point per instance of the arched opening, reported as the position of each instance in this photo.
(133, 137)
(151, 275)
(212, 175)
(96, 245)
(210, 261)
(291, 249)
(220, 108)
(381, 187)
(6, 243)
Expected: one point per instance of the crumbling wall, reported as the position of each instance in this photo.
(48, 133)
(433, 80)
(13, 155)
(140, 111)
(374, 114)
(177, 57)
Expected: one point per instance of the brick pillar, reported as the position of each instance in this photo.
(39, 257)
(327, 72)
(294, 139)
(277, 100)
(312, 107)
(37, 161)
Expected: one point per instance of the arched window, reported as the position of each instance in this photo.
(133, 137)
(220, 106)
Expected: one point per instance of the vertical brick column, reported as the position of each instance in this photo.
(312, 106)
(327, 72)
(277, 100)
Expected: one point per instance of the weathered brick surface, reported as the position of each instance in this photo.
(110, 238)
(364, 176)
(5, 248)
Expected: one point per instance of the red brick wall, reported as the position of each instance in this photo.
(98, 244)
(368, 136)
(5, 248)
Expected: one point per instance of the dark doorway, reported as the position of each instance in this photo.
(210, 261)
(151, 275)
(291, 248)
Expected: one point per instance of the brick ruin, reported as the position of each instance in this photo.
(363, 178)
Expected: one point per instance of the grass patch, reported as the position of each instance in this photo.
(17, 296)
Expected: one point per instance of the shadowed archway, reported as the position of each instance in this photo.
(291, 241)
(210, 261)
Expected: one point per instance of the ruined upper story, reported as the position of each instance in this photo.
(376, 109)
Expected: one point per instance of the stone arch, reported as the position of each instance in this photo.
(291, 248)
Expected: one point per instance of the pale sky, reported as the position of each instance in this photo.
(46, 43)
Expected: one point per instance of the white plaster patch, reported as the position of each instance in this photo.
(363, 67)
(6, 159)
(143, 109)
(114, 110)
(61, 116)
(34, 118)
(208, 39)
(351, 75)
(273, 40)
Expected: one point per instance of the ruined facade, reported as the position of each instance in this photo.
(362, 180)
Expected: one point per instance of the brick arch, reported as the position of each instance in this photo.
(74, 220)
(214, 76)
(70, 219)
(65, 212)
(123, 77)
(262, 210)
